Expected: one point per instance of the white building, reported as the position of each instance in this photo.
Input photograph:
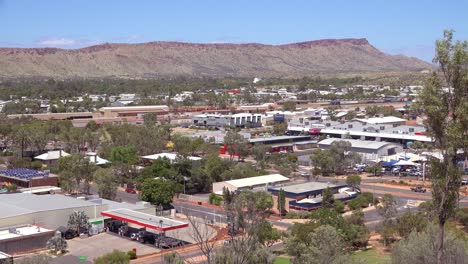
(232, 120)
(249, 183)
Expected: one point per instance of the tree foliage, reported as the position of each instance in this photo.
(107, 183)
(447, 123)
(78, 221)
(115, 257)
(158, 192)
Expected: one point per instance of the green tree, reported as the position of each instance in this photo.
(327, 198)
(422, 248)
(289, 106)
(409, 222)
(107, 183)
(259, 152)
(233, 140)
(326, 246)
(279, 128)
(353, 181)
(124, 155)
(388, 211)
(158, 192)
(78, 221)
(149, 119)
(115, 257)
(57, 243)
(447, 123)
(281, 204)
(74, 170)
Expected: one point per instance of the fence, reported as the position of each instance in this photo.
(192, 198)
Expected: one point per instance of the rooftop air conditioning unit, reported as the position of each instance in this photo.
(411, 129)
(327, 124)
(382, 127)
(350, 126)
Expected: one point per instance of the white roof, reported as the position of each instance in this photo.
(356, 143)
(138, 107)
(259, 180)
(169, 156)
(381, 120)
(94, 158)
(52, 155)
(380, 134)
(405, 163)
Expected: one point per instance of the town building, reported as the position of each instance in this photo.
(231, 120)
(27, 178)
(308, 196)
(369, 150)
(249, 183)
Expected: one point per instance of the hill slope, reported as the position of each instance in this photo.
(165, 59)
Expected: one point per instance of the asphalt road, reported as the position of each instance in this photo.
(121, 196)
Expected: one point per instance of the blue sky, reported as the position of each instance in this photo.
(398, 27)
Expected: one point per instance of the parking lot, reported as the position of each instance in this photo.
(92, 247)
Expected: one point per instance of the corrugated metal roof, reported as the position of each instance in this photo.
(355, 143)
(259, 180)
(25, 203)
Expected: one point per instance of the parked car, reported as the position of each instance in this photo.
(464, 181)
(418, 189)
(130, 190)
(70, 234)
(169, 242)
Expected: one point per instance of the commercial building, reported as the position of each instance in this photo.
(27, 178)
(386, 120)
(232, 120)
(133, 111)
(308, 196)
(396, 133)
(23, 239)
(249, 183)
(370, 150)
(50, 211)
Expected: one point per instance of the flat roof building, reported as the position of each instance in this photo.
(232, 120)
(133, 111)
(249, 183)
(308, 195)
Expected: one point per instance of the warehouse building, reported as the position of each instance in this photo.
(369, 150)
(231, 120)
(52, 210)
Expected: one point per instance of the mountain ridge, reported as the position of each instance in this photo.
(161, 59)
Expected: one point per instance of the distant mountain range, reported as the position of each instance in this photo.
(171, 59)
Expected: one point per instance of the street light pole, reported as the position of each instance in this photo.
(161, 224)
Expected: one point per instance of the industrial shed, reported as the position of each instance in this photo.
(368, 149)
(49, 211)
(249, 183)
(52, 210)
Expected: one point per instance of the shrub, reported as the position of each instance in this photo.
(359, 202)
(215, 199)
(36, 165)
(339, 206)
(369, 197)
(132, 254)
